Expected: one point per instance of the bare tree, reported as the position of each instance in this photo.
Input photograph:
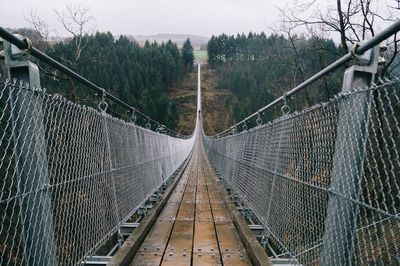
(288, 29)
(41, 28)
(392, 54)
(341, 29)
(352, 20)
(76, 21)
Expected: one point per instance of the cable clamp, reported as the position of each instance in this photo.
(148, 125)
(285, 108)
(259, 120)
(29, 45)
(103, 105)
(354, 50)
(133, 117)
(244, 126)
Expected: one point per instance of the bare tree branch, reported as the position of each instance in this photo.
(76, 20)
(341, 29)
(352, 20)
(393, 57)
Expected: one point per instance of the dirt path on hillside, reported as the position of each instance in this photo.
(216, 115)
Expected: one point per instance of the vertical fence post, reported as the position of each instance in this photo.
(3, 69)
(31, 160)
(348, 160)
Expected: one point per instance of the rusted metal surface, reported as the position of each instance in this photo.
(194, 228)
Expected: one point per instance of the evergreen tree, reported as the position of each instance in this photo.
(173, 116)
(140, 76)
(187, 55)
(259, 68)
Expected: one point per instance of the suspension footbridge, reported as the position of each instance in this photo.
(319, 186)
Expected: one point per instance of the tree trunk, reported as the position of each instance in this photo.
(342, 28)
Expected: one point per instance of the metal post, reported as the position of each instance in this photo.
(3, 69)
(31, 160)
(352, 130)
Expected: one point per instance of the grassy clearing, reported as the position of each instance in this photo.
(200, 56)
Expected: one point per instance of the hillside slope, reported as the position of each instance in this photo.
(217, 111)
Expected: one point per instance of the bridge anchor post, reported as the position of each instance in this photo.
(348, 160)
(31, 161)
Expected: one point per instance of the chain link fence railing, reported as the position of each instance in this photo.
(70, 175)
(325, 181)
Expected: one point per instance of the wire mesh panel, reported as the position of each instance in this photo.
(285, 172)
(71, 175)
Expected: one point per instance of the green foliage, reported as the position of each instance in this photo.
(140, 76)
(259, 68)
(187, 55)
(238, 112)
(174, 116)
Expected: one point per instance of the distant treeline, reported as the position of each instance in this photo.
(259, 68)
(140, 76)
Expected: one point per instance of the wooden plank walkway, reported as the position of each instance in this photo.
(194, 228)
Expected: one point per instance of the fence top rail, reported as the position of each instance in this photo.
(25, 44)
(358, 49)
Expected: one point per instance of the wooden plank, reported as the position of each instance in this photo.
(231, 249)
(153, 247)
(176, 260)
(207, 258)
(169, 211)
(144, 258)
(203, 213)
(203, 207)
(218, 205)
(228, 239)
(235, 259)
(180, 242)
(202, 231)
(189, 196)
(221, 216)
(255, 251)
(131, 246)
(186, 210)
(158, 237)
(179, 248)
(205, 239)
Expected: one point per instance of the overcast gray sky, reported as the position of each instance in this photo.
(202, 17)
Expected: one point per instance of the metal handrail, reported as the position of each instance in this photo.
(26, 44)
(359, 49)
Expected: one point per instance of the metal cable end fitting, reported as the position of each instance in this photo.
(29, 45)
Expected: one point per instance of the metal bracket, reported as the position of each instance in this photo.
(264, 238)
(352, 131)
(363, 59)
(27, 118)
(13, 53)
(127, 228)
(362, 74)
(154, 198)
